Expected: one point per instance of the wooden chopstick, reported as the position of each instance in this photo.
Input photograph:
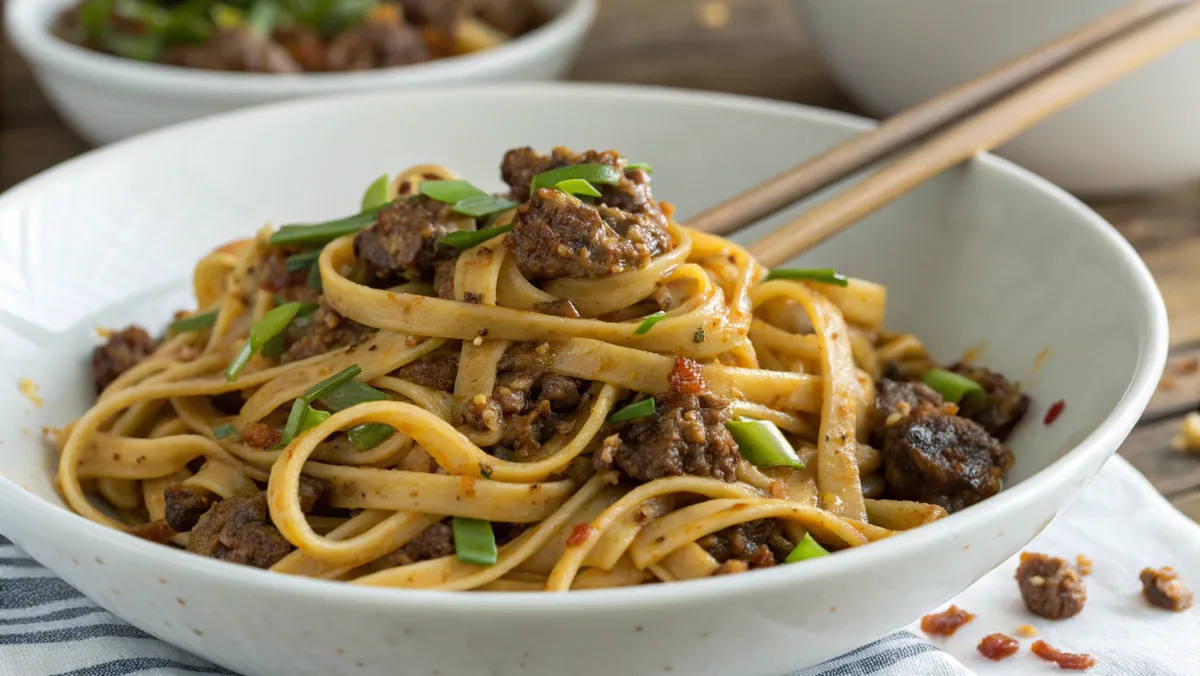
(906, 127)
(984, 130)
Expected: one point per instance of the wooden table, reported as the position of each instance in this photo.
(761, 50)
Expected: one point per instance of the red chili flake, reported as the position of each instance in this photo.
(1076, 661)
(687, 376)
(946, 622)
(1055, 410)
(579, 535)
(996, 647)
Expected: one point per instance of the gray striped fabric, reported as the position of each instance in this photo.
(49, 629)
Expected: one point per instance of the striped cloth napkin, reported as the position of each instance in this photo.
(1121, 523)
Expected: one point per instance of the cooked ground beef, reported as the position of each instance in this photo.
(1051, 587)
(121, 352)
(320, 332)
(233, 50)
(435, 13)
(758, 543)
(260, 435)
(513, 17)
(402, 245)
(631, 194)
(558, 235)
(155, 531)
(237, 529)
(999, 408)
(931, 455)
(376, 44)
(1164, 589)
(229, 403)
(433, 542)
(436, 371)
(687, 377)
(312, 489)
(185, 507)
(443, 279)
(559, 308)
(290, 286)
(688, 436)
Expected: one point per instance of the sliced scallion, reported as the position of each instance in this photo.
(137, 47)
(649, 322)
(224, 431)
(474, 541)
(592, 173)
(807, 549)
(640, 165)
(640, 409)
(270, 325)
(262, 17)
(323, 233)
(314, 281)
(369, 435)
(331, 383)
(225, 17)
(450, 191)
(302, 261)
(377, 194)
(577, 186)
(306, 309)
(482, 206)
(466, 239)
(761, 442)
(952, 386)
(275, 347)
(824, 276)
(351, 393)
(196, 322)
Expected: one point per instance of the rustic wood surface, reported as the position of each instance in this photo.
(760, 49)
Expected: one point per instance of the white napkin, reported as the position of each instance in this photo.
(1121, 523)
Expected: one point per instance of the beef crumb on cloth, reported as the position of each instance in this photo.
(1051, 587)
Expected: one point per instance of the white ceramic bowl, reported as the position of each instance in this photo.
(985, 252)
(1137, 134)
(106, 98)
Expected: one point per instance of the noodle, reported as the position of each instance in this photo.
(480, 404)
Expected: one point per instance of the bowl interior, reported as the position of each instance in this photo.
(981, 258)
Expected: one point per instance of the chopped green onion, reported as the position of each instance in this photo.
(466, 239)
(137, 47)
(474, 541)
(807, 549)
(225, 17)
(577, 186)
(331, 383)
(262, 17)
(302, 261)
(94, 17)
(641, 409)
(825, 276)
(592, 173)
(306, 309)
(224, 431)
(368, 435)
(378, 194)
(136, 10)
(313, 417)
(301, 417)
(640, 165)
(952, 386)
(649, 322)
(314, 281)
(197, 322)
(275, 347)
(270, 325)
(481, 206)
(450, 192)
(761, 442)
(323, 233)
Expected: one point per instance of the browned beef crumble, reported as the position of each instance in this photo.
(121, 352)
(185, 507)
(260, 435)
(1164, 589)
(999, 408)
(376, 44)
(238, 530)
(236, 49)
(155, 531)
(434, 542)
(402, 245)
(631, 194)
(436, 371)
(322, 331)
(311, 491)
(512, 17)
(435, 13)
(443, 279)
(1051, 587)
(932, 455)
(559, 308)
(290, 286)
(757, 543)
(688, 436)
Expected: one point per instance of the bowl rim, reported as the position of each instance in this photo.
(1151, 320)
(28, 27)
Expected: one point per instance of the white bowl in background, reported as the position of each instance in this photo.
(985, 252)
(106, 98)
(1137, 134)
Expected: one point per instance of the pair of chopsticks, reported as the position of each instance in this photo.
(974, 117)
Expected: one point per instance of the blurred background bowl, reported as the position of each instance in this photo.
(106, 98)
(1138, 134)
